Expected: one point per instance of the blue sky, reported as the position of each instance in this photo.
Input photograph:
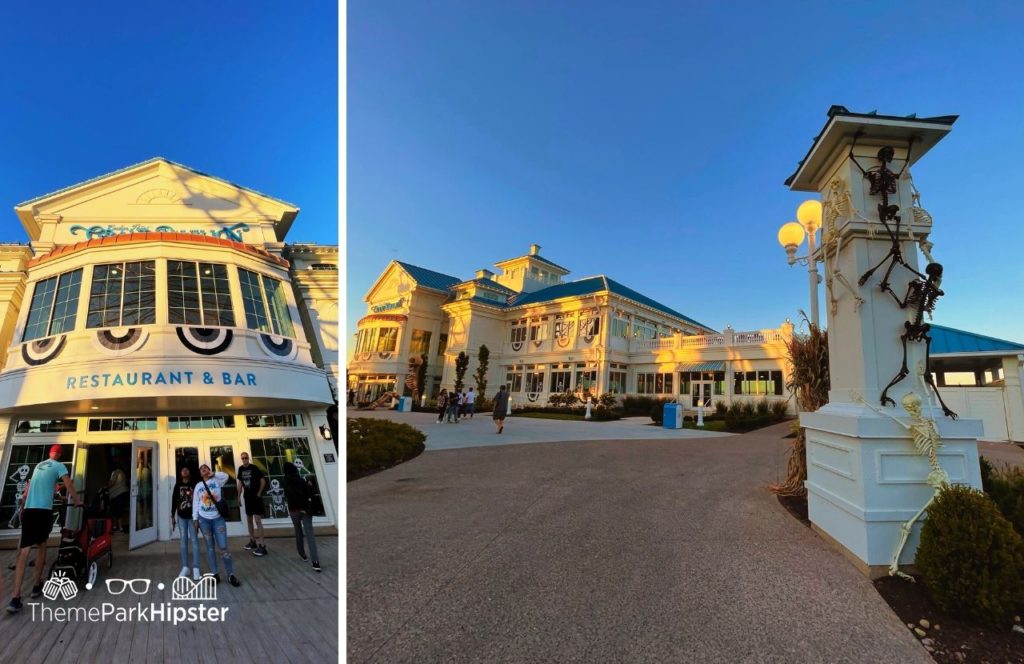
(650, 141)
(246, 91)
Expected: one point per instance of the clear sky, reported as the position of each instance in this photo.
(650, 141)
(246, 91)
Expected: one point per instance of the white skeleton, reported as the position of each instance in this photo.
(927, 441)
(277, 498)
(838, 203)
(20, 476)
(301, 467)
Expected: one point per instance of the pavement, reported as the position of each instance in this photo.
(642, 550)
(1002, 453)
(479, 431)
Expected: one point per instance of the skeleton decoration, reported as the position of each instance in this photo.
(838, 203)
(20, 478)
(923, 291)
(927, 441)
(277, 506)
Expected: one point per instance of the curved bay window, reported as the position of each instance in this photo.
(198, 294)
(122, 294)
(54, 306)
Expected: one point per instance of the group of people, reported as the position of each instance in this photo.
(197, 506)
(455, 404)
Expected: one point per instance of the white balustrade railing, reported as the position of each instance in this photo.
(750, 338)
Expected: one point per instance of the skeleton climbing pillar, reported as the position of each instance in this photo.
(865, 477)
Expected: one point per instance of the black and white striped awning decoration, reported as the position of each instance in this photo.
(42, 351)
(710, 365)
(281, 348)
(205, 340)
(120, 340)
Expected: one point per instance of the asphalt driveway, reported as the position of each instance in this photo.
(610, 551)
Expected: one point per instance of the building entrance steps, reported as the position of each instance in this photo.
(667, 550)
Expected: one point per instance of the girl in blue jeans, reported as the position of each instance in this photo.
(207, 517)
(181, 516)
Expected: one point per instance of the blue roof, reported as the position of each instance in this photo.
(489, 283)
(429, 278)
(947, 341)
(595, 285)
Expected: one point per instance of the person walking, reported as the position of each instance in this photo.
(453, 407)
(181, 518)
(254, 483)
(351, 397)
(500, 408)
(118, 491)
(207, 518)
(469, 404)
(299, 495)
(442, 405)
(37, 520)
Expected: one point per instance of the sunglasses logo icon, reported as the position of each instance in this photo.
(118, 586)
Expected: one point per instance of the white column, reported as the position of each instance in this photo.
(865, 477)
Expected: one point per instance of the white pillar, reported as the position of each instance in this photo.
(864, 477)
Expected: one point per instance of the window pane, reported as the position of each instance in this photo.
(66, 308)
(270, 455)
(39, 310)
(213, 282)
(278, 304)
(252, 301)
(24, 459)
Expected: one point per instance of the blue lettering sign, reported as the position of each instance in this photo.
(155, 378)
(232, 232)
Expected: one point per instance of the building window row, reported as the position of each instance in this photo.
(378, 340)
(124, 295)
(758, 383)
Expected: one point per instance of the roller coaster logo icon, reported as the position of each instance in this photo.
(184, 589)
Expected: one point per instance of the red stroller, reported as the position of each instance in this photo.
(81, 548)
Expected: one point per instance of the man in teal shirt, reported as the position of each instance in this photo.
(37, 520)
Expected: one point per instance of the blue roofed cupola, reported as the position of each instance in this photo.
(529, 273)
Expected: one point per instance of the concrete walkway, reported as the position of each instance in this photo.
(606, 551)
(479, 431)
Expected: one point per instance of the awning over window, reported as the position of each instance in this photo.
(713, 365)
(393, 318)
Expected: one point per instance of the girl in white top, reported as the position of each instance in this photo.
(208, 519)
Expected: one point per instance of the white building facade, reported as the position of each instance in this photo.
(547, 336)
(157, 319)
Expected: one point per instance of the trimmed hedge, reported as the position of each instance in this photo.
(374, 445)
(971, 558)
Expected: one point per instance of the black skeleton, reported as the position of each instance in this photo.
(921, 295)
(885, 182)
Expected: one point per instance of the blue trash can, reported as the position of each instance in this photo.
(672, 416)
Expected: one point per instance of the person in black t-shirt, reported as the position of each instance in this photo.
(254, 481)
(181, 516)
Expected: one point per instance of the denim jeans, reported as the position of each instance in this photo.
(188, 534)
(304, 522)
(216, 529)
(453, 412)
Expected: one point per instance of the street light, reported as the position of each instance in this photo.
(791, 236)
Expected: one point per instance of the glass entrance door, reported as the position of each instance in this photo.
(701, 393)
(142, 499)
(221, 458)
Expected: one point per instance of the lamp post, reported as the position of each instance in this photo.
(791, 236)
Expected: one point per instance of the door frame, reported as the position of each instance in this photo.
(703, 390)
(234, 528)
(138, 538)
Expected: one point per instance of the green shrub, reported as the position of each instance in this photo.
(762, 408)
(657, 413)
(638, 406)
(971, 558)
(986, 473)
(608, 400)
(1005, 485)
(605, 414)
(374, 445)
(780, 409)
(721, 408)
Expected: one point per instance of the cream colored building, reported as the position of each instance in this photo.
(547, 335)
(158, 319)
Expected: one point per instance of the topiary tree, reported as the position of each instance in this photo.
(483, 359)
(461, 364)
(421, 376)
(971, 558)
